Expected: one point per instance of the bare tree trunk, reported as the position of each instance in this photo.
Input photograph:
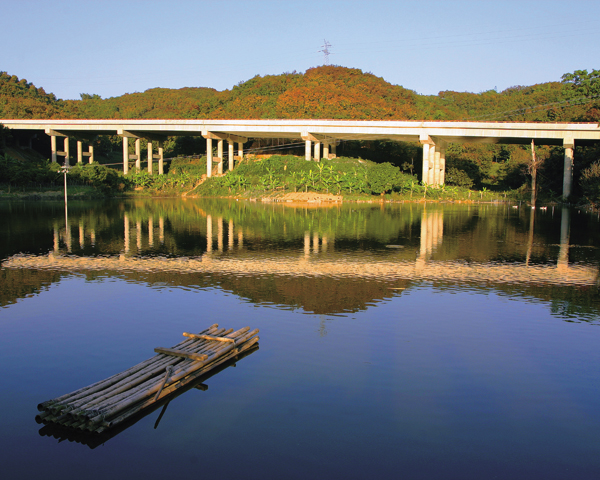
(533, 170)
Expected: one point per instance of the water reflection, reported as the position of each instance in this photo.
(346, 256)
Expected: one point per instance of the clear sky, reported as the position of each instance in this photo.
(111, 48)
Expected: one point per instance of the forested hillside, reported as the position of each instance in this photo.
(327, 92)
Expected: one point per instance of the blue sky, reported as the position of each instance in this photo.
(115, 47)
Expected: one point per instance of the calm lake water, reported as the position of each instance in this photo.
(396, 341)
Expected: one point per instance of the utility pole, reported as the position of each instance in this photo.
(326, 51)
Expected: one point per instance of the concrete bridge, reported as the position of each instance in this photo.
(320, 137)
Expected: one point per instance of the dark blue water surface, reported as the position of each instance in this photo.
(396, 341)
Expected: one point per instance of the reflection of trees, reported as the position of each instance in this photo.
(323, 260)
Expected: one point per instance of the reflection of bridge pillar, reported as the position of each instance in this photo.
(56, 238)
(306, 244)
(316, 242)
(569, 146)
(138, 235)
(161, 230)
(563, 253)
(150, 232)
(126, 234)
(324, 244)
(81, 235)
(240, 239)
(220, 234)
(230, 235)
(432, 233)
(209, 240)
(93, 237)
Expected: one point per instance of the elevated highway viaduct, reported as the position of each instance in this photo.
(320, 137)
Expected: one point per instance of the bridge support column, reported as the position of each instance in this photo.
(125, 155)
(240, 151)
(430, 176)
(138, 154)
(161, 164)
(334, 150)
(67, 155)
(79, 151)
(91, 154)
(307, 153)
(209, 157)
(220, 155)
(569, 146)
(428, 157)
(442, 164)
(326, 151)
(150, 157)
(436, 167)
(53, 147)
(317, 151)
(230, 148)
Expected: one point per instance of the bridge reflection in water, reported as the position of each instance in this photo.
(318, 258)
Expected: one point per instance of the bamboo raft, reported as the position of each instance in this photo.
(110, 402)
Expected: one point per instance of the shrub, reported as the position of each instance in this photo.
(590, 182)
(457, 177)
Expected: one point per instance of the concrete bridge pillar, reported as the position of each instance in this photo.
(230, 148)
(432, 164)
(53, 147)
(161, 158)
(66, 151)
(436, 167)
(138, 154)
(307, 148)
(569, 145)
(442, 164)
(317, 151)
(79, 151)
(125, 155)
(209, 157)
(428, 152)
(334, 150)
(240, 151)
(326, 151)
(150, 157)
(91, 154)
(220, 155)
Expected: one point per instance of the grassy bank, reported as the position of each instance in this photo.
(269, 178)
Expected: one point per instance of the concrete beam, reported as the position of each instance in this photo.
(224, 136)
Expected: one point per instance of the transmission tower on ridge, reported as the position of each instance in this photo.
(326, 51)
